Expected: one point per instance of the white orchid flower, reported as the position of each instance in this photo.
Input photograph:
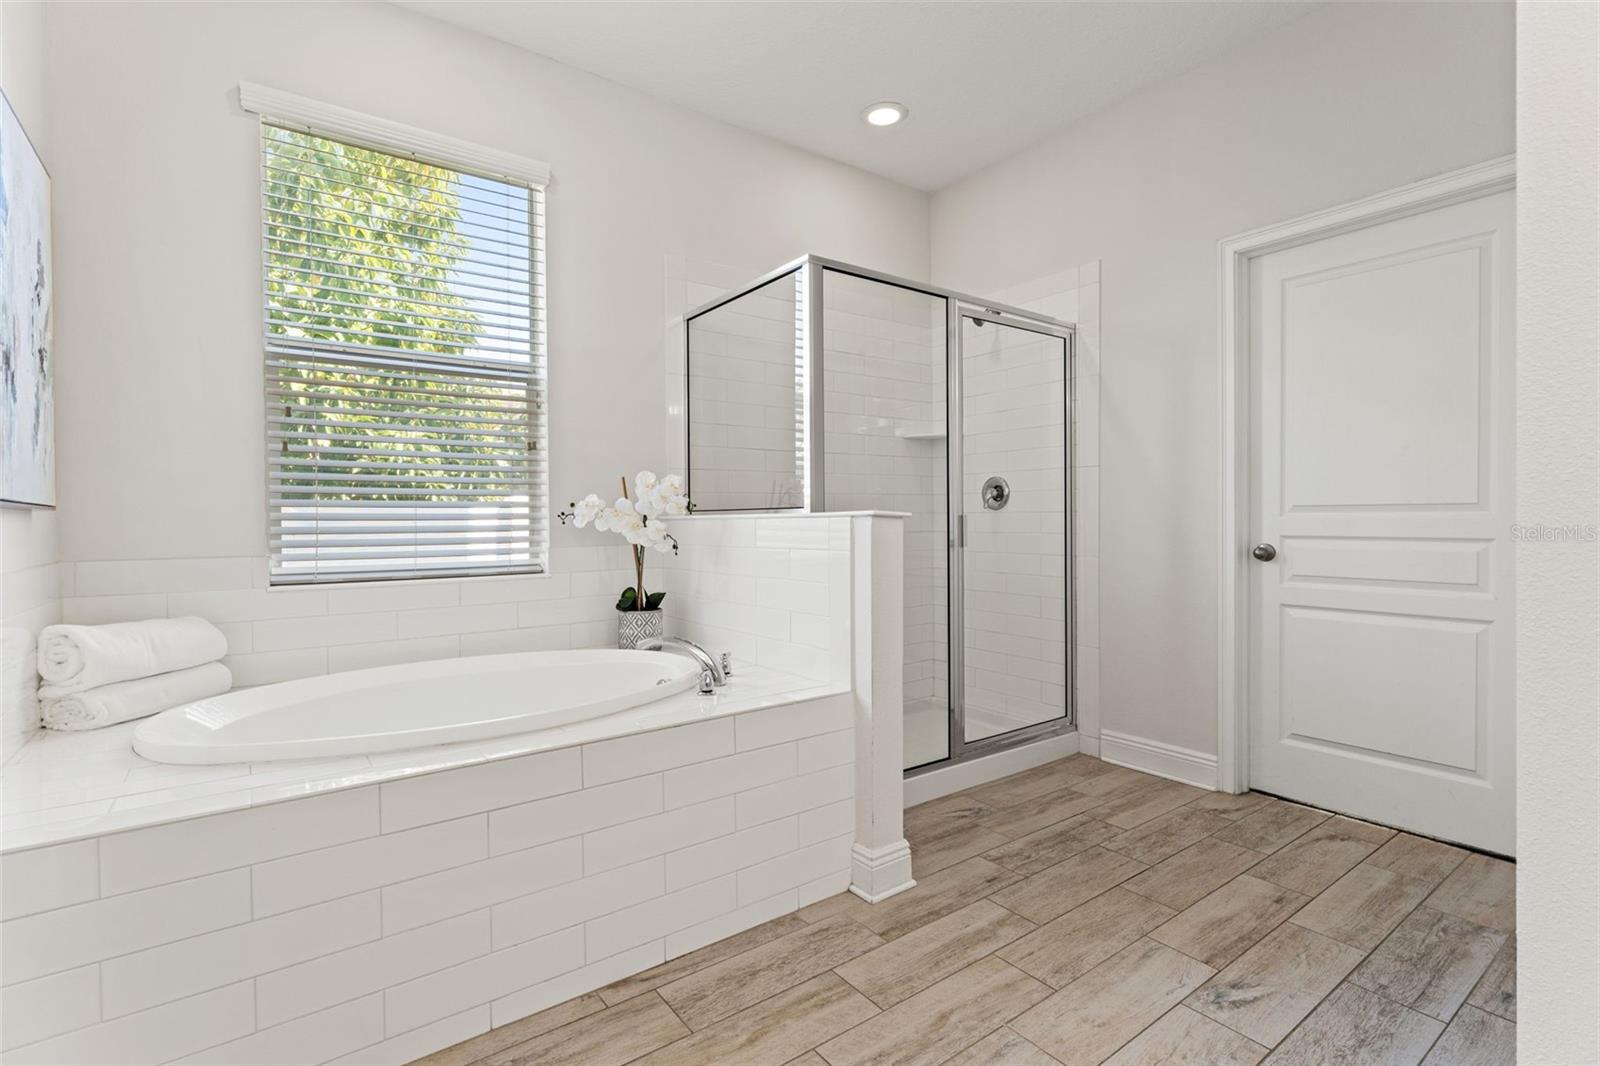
(587, 510)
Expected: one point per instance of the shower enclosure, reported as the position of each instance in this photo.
(826, 386)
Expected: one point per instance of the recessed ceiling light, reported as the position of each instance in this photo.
(886, 113)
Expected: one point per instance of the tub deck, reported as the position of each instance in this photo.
(68, 786)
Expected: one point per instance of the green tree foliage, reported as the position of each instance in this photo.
(370, 251)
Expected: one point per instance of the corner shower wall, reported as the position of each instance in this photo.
(825, 386)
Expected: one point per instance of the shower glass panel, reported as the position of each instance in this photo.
(1014, 464)
(746, 403)
(883, 400)
(829, 387)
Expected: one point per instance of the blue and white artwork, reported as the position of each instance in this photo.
(27, 399)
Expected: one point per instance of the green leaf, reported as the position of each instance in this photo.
(629, 600)
(653, 600)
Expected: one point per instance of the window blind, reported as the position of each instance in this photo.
(405, 354)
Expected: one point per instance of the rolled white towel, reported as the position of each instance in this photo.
(77, 658)
(126, 700)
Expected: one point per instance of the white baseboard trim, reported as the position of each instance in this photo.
(1155, 757)
(947, 779)
(1089, 745)
(878, 873)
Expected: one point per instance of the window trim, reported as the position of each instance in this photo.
(387, 135)
(276, 107)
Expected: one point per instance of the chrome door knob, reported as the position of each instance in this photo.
(1265, 552)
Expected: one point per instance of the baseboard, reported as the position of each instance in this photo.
(1164, 760)
(920, 788)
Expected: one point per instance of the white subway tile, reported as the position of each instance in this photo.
(829, 749)
(725, 776)
(268, 668)
(314, 1038)
(570, 904)
(421, 1041)
(167, 972)
(321, 983)
(824, 823)
(698, 936)
(161, 854)
(158, 1035)
(49, 1006)
(794, 869)
(647, 753)
(770, 802)
(775, 725)
(535, 998)
(298, 880)
(483, 787)
(516, 589)
(480, 980)
(631, 842)
(654, 919)
(823, 887)
(248, 604)
(131, 576)
(572, 814)
(479, 884)
(803, 533)
(392, 652)
(102, 610)
(506, 641)
(390, 596)
(42, 879)
(723, 855)
(287, 634)
(799, 597)
(72, 936)
(476, 619)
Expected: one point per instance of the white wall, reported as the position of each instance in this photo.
(157, 242)
(1347, 101)
(28, 553)
(1558, 584)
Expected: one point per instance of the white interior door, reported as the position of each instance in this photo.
(1381, 649)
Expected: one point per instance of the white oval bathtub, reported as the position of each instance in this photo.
(414, 705)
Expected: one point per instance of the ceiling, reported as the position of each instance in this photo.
(982, 80)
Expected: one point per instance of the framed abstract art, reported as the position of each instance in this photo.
(27, 399)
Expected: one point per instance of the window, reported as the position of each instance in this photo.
(405, 356)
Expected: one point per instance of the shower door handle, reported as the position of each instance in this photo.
(961, 530)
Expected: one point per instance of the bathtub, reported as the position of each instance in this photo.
(413, 705)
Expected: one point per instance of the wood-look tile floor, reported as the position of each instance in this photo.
(1083, 913)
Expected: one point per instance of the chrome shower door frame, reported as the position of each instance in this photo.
(958, 305)
(962, 749)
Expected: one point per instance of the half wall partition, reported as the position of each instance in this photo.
(827, 386)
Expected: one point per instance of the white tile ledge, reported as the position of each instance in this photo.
(62, 787)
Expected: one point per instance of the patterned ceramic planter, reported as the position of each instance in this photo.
(634, 626)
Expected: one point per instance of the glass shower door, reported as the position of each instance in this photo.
(1013, 520)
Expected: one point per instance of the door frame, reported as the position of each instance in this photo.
(961, 749)
(1235, 255)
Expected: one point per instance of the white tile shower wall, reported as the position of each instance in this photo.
(30, 599)
(1074, 295)
(772, 591)
(387, 945)
(284, 633)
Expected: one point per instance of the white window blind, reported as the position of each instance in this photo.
(404, 320)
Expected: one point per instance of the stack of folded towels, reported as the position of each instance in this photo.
(100, 675)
